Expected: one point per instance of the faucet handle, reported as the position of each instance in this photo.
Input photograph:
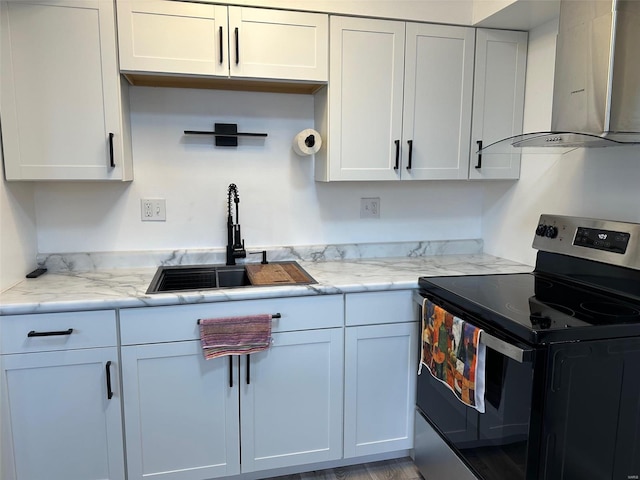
(264, 256)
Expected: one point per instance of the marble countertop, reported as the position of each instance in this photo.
(126, 287)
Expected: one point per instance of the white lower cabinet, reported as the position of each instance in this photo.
(187, 418)
(291, 401)
(61, 413)
(181, 412)
(381, 362)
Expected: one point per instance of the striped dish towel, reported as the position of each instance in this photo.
(235, 335)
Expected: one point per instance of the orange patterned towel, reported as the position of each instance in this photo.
(235, 335)
(453, 353)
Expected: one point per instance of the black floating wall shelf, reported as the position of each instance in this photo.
(226, 134)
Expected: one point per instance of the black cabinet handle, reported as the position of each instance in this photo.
(237, 46)
(112, 162)
(410, 142)
(230, 371)
(109, 391)
(248, 369)
(397, 142)
(479, 162)
(221, 50)
(33, 333)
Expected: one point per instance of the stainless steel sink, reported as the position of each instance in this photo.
(198, 277)
(182, 278)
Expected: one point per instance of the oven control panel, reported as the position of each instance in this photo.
(616, 242)
(605, 241)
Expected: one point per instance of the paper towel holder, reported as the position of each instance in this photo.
(307, 142)
(226, 134)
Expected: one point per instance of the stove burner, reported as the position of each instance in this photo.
(610, 309)
(561, 309)
(515, 309)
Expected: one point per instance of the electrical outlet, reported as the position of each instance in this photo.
(370, 207)
(153, 209)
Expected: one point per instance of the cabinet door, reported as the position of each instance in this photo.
(365, 98)
(57, 419)
(498, 100)
(173, 37)
(291, 401)
(437, 102)
(60, 92)
(380, 388)
(181, 412)
(278, 44)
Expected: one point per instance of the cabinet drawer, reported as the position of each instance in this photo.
(179, 322)
(58, 331)
(372, 308)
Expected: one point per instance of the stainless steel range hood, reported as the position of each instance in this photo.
(596, 93)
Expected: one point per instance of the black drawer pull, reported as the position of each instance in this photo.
(248, 369)
(410, 142)
(33, 333)
(230, 371)
(221, 50)
(237, 35)
(109, 391)
(397, 165)
(479, 163)
(112, 162)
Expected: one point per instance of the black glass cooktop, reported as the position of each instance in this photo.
(538, 308)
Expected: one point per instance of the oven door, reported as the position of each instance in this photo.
(501, 443)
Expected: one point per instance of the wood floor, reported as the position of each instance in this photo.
(398, 469)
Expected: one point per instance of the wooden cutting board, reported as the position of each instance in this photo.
(286, 273)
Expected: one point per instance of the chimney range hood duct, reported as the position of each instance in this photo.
(596, 93)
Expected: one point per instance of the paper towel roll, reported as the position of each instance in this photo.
(307, 142)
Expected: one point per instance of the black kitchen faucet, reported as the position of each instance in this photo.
(235, 243)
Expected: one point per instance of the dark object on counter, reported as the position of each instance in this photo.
(36, 273)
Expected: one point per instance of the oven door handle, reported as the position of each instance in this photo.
(515, 353)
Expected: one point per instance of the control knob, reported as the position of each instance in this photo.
(551, 232)
(540, 231)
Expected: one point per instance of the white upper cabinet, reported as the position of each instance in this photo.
(365, 98)
(278, 44)
(438, 84)
(399, 101)
(166, 37)
(63, 113)
(173, 37)
(498, 100)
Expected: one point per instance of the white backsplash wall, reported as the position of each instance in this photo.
(17, 231)
(596, 182)
(280, 203)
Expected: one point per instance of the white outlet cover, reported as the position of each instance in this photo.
(153, 210)
(370, 207)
